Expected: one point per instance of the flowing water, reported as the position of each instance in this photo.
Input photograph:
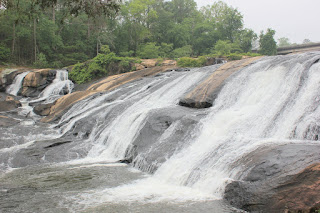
(15, 87)
(183, 158)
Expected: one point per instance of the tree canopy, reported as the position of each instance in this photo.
(64, 32)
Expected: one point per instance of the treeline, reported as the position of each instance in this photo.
(63, 32)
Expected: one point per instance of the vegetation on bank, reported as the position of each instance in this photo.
(103, 64)
(57, 34)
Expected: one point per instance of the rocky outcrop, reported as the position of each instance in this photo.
(7, 76)
(7, 121)
(43, 109)
(64, 103)
(9, 105)
(204, 94)
(36, 81)
(278, 179)
(150, 148)
(115, 81)
(109, 83)
(301, 193)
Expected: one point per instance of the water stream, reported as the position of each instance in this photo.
(183, 158)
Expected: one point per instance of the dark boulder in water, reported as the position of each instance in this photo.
(275, 180)
(9, 105)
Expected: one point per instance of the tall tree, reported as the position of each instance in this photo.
(268, 45)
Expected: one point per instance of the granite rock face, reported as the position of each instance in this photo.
(278, 179)
(36, 81)
(205, 93)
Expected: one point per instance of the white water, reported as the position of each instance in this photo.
(57, 88)
(263, 104)
(274, 101)
(15, 87)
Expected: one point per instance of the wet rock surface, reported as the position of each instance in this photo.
(164, 133)
(206, 92)
(36, 81)
(7, 76)
(43, 109)
(9, 105)
(6, 121)
(276, 180)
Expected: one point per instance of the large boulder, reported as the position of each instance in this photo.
(36, 81)
(43, 109)
(278, 179)
(153, 146)
(9, 105)
(206, 92)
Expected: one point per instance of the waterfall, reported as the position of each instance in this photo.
(61, 85)
(274, 101)
(190, 154)
(15, 87)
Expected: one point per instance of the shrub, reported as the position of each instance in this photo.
(223, 47)
(100, 66)
(149, 50)
(234, 56)
(185, 51)
(41, 61)
(192, 62)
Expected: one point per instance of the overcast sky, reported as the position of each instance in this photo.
(294, 19)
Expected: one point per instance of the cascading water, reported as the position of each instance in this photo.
(197, 152)
(15, 87)
(61, 85)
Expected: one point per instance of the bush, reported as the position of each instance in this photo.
(223, 48)
(234, 56)
(185, 51)
(149, 50)
(100, 66)
(41, 61)
(192, 62)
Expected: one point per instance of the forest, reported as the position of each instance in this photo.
(60, 33)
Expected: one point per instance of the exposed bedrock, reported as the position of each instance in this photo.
(164, 132)
(284, 178)
(107, 84)
(36, 81)
(206, 92)
(9, 105)
(7, 76)
(6, 121)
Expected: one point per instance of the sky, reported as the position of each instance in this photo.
(294, 19)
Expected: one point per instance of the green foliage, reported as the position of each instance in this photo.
(68, 33)
(223, 47)
(41, 61)
(192, 62)
(185, 51)
(101, 65)
(105, 49)
(234, 56)
(268, 45)
(149, 50)
(4, 54)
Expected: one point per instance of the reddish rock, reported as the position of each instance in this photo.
(299, 194)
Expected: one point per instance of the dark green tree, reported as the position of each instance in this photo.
(268, 45)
